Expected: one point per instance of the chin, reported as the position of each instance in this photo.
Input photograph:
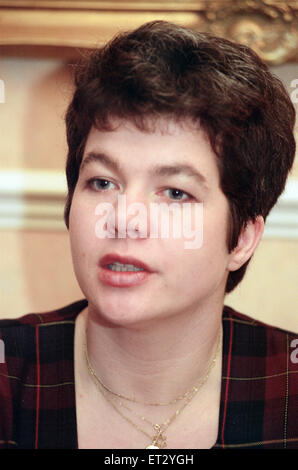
(116, 312)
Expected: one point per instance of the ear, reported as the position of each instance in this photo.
(248, 241)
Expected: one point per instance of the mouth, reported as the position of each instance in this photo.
(123, 271)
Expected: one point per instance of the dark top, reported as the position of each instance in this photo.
(259, 392)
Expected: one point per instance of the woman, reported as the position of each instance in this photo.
(167, 127)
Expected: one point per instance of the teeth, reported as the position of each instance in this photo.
(123, 267)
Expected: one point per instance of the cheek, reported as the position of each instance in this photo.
(203, 265)
(83, 245)
(81, 229)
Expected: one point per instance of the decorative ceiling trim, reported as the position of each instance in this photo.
(181, 5)
(270, 27)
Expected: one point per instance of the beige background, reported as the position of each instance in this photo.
(36, 270)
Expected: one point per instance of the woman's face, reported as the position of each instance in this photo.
(173, 164)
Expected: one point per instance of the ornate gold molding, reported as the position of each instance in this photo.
(268, 26)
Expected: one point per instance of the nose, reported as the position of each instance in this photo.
(131, 218)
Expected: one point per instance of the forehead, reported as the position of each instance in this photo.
(149, 128)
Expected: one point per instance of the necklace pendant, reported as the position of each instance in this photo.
(159, 440)
(152, 447)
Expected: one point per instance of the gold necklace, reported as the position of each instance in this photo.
(159, 439)
(119, 395)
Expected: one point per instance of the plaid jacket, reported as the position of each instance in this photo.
(259, 393)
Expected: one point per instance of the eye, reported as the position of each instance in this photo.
(99, 184)
(178, 194)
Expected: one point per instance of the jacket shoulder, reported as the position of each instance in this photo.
(69, 312)
(230, 314)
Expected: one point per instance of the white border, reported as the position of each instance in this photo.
(35, 200)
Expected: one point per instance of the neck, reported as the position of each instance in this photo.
(155, 362)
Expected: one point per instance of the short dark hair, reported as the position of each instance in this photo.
(162, 69)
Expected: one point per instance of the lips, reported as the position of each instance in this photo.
(123, 278)
(115, 258)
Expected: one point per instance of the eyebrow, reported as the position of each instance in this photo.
(157, 170)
